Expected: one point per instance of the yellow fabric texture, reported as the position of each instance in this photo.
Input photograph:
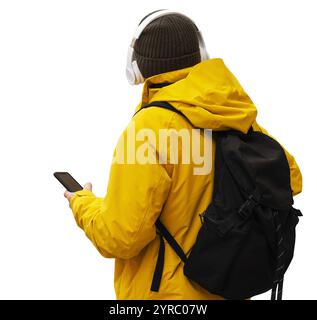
(122, 224)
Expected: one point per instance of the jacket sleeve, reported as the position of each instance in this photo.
(122, 223)
(295, 174)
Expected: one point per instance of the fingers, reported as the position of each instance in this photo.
(88, 186)
(68, 195)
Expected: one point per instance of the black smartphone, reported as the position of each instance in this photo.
(68, 181)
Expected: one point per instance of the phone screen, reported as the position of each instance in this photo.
(68, 181)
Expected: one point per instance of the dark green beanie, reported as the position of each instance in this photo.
(167, 43)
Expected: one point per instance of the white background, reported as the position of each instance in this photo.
(64, 100)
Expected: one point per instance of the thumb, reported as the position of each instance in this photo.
(88, 186)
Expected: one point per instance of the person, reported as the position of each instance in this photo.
(168, 55)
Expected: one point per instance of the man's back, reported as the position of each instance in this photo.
(151, 179)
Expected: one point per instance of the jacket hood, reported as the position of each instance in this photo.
(207, 93)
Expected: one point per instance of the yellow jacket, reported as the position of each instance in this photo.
(122, 224)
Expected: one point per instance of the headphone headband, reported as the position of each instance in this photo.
(153, 16)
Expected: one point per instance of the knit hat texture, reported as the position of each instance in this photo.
(167, 43)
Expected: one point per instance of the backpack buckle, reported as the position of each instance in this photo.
(247, 207)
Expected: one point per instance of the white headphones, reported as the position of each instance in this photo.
(133, 72)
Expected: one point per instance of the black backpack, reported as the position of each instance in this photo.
(246, 241)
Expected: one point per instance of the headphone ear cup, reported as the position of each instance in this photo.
(203, 51)
(129, 67)
(137, 73)
(203, 54)
(130, 75)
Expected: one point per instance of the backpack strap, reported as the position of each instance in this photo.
(164, 233)
(157, 276)
(164, 105)
(171, 241)
(162, 230)
(277, 289)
